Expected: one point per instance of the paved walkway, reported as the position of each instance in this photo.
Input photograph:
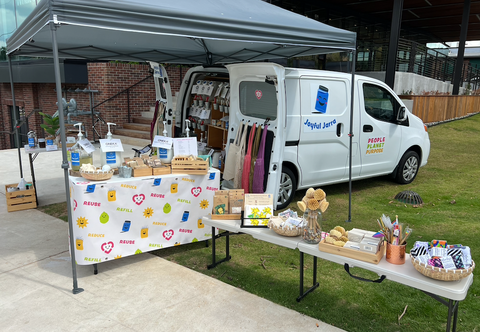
(136, 293)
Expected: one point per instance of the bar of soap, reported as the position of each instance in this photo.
(355, 236)
(370, 245)
(352, 245)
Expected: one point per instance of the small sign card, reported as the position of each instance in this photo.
(87, 146)
(162, 142)
(185, 146)
(111, 145)
(53, 147)
(258, 210)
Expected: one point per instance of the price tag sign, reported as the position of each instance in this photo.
(162, 142)
(185, 146)
(86, 145)
(205, 114)
(111, 145)
(51, 148)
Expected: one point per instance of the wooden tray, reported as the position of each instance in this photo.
(236, 216)
(351, 253)
(181, 165)
(161, 170)
(21, 199)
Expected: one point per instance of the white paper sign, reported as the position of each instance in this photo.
(51, 148)
(185, 146)
(205, 114)
(162, 142)
(219, 90)
(224, 92)
(86, 145)
(157, 71)
(195, 89)
(111, 145)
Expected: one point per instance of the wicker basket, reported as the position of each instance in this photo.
(97, 176)
(274, 224)
(441, 274)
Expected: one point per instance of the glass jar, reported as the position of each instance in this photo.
(312, 232)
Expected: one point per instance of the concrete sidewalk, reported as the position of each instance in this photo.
(135, 293)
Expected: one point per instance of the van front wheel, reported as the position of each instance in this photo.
(408, 168)
(288, 185)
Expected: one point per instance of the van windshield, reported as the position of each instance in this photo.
(258, 100)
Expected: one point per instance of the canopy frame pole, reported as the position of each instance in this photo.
(61, 117)
(15, 120)
(350, 134)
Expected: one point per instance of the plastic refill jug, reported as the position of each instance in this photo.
(78, 155)
(112, 158)
(165, 155)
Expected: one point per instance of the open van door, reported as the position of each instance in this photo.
(257, 94)
(163, 94)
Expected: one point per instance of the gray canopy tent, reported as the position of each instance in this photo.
(182, 31)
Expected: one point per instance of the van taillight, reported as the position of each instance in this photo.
(425, 126)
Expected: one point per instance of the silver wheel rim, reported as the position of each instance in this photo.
(286, 188)
(410, 168)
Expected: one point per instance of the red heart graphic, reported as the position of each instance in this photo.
(138, 199)
(168, 234)
(196, 191)
(74, 205)
(259, 94)
(107, 247)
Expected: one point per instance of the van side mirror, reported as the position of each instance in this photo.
(402, 114)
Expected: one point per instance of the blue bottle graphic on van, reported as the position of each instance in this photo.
(322, 99)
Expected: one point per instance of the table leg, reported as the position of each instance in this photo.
(227, 249)
(32, 172)
(315, 283)
(455, 315)
(95, 269)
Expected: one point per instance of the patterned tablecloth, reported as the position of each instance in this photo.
(122, 217)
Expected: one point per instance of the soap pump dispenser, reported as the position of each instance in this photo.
(165, 155)
(110, 158)
(78, 155)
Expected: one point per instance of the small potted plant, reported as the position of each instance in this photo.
(51, 125)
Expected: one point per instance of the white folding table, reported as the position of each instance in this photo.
(453, 291)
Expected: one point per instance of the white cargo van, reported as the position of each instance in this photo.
(309, 122)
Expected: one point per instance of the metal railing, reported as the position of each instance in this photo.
(413, 57)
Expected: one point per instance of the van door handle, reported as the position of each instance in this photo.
(339, 129)
(367, 128)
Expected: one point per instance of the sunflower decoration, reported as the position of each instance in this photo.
(254, 222)
(82, 222)
(267, 212)
(148, 212)
(204, 204)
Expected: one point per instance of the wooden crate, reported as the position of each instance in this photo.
(181, 165)
(21, 199)
(352, 253)
(144, 171)
(161, 170)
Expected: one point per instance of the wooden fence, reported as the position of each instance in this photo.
(442, 108)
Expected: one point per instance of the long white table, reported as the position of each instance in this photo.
(453, 291)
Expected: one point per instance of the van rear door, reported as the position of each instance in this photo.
(163, 93)
(257, 93)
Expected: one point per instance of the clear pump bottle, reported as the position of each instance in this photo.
(78, 155)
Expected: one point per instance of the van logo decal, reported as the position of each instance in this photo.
(309, 126)
(375, 145)
(259, 94)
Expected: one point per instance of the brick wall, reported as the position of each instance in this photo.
(108, 78)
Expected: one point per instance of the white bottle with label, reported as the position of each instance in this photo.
(165, 155)
(78, 155)
(111, 158)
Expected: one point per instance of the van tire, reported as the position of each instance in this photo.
(288, 186)
(407, 168)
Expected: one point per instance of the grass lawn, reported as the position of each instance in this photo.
(449, 187)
